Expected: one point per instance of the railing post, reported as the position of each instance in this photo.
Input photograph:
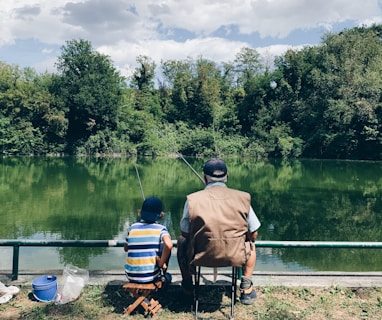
(15, 267)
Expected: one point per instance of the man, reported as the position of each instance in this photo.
(215, 217)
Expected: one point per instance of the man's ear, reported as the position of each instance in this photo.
(139, 212)
(161, 215)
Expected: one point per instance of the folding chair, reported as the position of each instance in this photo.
(141, 292)
(235, 271)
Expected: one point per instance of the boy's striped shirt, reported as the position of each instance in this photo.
(144, 245)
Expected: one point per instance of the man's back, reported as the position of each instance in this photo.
(219, 226)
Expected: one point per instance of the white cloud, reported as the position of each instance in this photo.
(46, 51)
(371, 21)
(216, 49)
(47, 65)
(279, 18)
(174, 29)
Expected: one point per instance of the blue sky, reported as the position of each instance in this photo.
(33, 32)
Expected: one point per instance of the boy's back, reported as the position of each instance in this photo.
(144, 243)
(148, 244)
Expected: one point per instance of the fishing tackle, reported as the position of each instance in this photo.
(139, 180)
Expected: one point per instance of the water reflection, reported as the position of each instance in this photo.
(95, 199)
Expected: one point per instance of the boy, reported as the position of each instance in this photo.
(148, 245)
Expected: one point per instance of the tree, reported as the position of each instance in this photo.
(247, 65)
(247, 68)
(177, 76)
(36, 122)
(90, 87)
(144, 74)
(146, 96)
(332, 95)
(195, 91)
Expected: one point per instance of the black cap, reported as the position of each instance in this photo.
(151, 209)
(215, 168)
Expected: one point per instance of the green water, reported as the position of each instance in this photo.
(92, 199)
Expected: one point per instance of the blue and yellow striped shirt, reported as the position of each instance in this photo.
(144, 242)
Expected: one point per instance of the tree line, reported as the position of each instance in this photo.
(321, 102)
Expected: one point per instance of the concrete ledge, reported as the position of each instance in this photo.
(319, 279)
(259, 278)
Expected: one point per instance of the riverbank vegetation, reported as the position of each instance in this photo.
(109, 302)
(323, 101)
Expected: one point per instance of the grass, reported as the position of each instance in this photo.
(108, 302)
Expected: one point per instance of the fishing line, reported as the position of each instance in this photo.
(139, 180)
(181, 156)
(215, 271)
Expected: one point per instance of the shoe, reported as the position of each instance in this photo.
(248, 296)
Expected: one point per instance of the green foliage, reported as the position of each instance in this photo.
(146, 98)
(143, 77)
(336, 95)
(90, 87)
(195, 141)
(196, 92)
(247, 65)
(317, 102)
(31, 120)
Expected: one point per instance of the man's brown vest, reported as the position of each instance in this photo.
(218, 221)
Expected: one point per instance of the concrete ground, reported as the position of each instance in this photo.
(262, 279)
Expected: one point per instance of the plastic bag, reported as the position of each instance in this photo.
(73, 281)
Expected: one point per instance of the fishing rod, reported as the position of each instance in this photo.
(215, 270)
(181, 156)
(139, 180)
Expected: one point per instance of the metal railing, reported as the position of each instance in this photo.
(16, 244)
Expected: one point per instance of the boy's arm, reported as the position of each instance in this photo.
(167, 246)
(125, 246)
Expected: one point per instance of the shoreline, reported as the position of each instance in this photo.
(259, 278)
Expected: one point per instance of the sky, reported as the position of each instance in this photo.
(32, 32)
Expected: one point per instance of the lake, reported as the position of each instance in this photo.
(98, 198)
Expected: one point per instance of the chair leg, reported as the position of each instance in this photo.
(151, 307)
(234, 278)
(233, 290)
(155, 307)
(196, 297)
(143, 299)
(134, 305)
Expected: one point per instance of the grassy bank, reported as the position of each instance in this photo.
(108, 302)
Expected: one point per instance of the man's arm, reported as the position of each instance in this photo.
(251, 236)
(253, 225)
(185, 222)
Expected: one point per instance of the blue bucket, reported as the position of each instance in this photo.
(45, 288)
